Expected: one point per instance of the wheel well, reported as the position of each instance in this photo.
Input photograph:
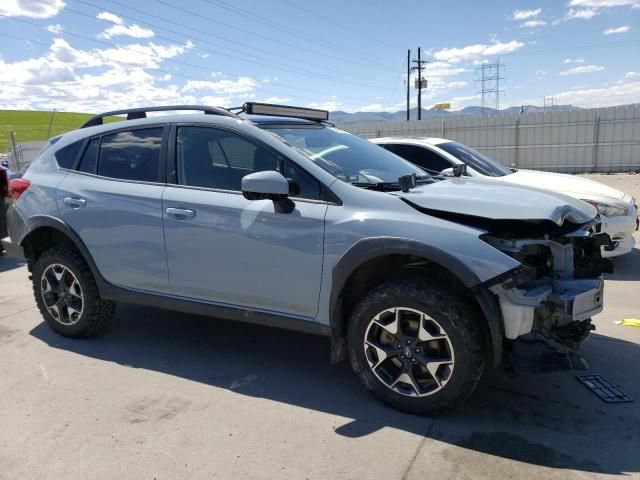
(386, 268)
(43, 238)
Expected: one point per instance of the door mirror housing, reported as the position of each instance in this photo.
(268, 185)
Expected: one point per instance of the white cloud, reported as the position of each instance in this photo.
(604, 3)
(55, 29)
(375, 107)
(620, 94)
(630, 75)
(276, 100)
(583, 69)
(330, 105)
(471, 52)
(573, 60)
(587, 9)
(611, 31)
(541, 73)
(119, 28)
(533, 24)
(525, 14)
(71, 79)
(222, 87)
(31, 8)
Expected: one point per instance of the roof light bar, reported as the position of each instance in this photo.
(253, 108)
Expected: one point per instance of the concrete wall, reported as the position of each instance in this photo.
(589, 140)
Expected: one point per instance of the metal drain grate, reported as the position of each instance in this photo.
(604, 389)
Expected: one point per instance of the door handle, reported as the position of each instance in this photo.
(75, 202)
(181, 212)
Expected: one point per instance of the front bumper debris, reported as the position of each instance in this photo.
(563, 302)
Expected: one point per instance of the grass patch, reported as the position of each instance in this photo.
(31, 125)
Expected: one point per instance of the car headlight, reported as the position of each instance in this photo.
(608, 210)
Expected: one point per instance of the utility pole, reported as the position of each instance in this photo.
(408, 84)
(492, 82)
(544, 103)
(419, 84)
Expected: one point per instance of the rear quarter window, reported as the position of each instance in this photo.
(66, 157)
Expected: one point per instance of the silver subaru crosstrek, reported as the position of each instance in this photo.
(276, 217)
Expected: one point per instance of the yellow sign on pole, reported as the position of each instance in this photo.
(443, 106)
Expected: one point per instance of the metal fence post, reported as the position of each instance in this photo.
(516, 155)
(596, 136)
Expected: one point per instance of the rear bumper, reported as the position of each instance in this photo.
(11, 248)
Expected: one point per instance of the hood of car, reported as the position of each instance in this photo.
(572, 185)
(494, 205)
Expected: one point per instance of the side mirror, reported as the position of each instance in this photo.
(268, 185)
(447, 172)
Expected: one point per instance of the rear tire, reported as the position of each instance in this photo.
(417, 347)
(67, 294)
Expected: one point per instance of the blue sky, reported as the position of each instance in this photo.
(93, 55)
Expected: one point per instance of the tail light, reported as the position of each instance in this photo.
(17, 186)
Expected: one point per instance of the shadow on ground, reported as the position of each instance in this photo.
(626, 267)
(10, 263)
(537, 419)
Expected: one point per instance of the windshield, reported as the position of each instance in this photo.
(475, 160)
(346, 156)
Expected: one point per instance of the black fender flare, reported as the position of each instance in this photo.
(45, 221)
(370, 248)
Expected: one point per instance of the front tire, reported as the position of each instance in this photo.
(416, 347)
(67, 295)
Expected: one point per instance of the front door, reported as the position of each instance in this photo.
(226, 249)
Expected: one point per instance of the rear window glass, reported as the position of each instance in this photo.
(66, 156)
(131, 155)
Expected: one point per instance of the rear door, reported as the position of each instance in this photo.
(113, 200)
(226, 249)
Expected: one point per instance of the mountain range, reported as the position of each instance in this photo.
(365, 117)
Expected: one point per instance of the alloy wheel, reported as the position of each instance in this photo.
(62, 294)
(409, 352)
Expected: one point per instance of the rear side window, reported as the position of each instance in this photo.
(131, 155)
(90, 157)
(66, 156)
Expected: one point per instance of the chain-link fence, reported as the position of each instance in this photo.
(22, 154)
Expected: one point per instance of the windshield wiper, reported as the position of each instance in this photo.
(382, 186)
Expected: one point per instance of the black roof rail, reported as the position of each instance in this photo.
(135, 113)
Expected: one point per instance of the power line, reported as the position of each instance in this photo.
(265, 37)
(282, 27)
(208, 34)
(253, 62)
(333, 22)
(137, 65)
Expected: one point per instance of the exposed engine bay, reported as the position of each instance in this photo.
(558, 288)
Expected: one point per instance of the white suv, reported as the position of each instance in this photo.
(618, 211)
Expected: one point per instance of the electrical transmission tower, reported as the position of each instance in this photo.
(492, 84)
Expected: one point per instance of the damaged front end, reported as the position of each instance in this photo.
(558, 287)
